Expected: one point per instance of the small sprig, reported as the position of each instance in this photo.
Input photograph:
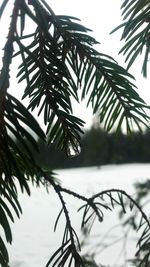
(94, 208)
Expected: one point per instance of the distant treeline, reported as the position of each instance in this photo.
(99, 148)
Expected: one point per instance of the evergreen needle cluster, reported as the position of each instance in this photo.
(59, 63)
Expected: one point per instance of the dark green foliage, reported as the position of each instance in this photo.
(136, 31)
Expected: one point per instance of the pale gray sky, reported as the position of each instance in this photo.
(101, 17)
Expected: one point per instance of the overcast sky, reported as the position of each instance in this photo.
(101, 17)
